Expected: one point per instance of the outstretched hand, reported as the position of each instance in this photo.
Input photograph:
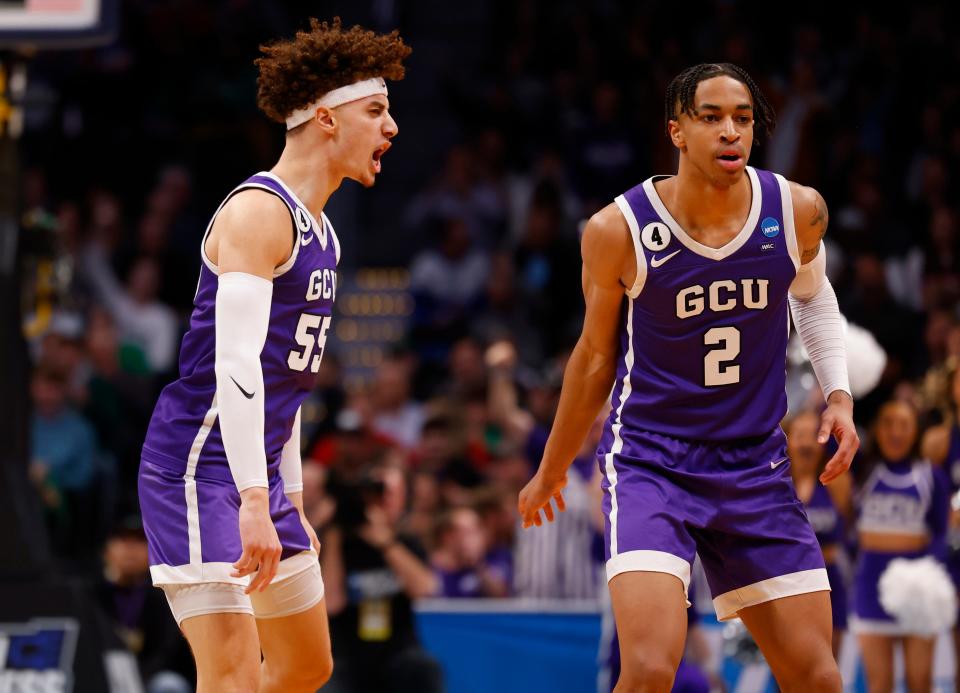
(536, 496)
(837, 419)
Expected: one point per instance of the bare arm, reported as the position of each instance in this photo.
(251, 234)
(588, 380)
(416, 576)
(501, 359)
(810, 217)
(334, 572)
(936, 444)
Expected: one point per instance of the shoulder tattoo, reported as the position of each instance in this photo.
(819, 221)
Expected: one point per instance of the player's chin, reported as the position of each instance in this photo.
(365, 178)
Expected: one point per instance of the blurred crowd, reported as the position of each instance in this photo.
(518, 120)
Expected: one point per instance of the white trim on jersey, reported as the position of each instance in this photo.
(650, 562)
(322, 234)
(631, 218)
(617, 446)
(190, 484)
(802, 582)
(789, 228)
(333, 234)
(280, 270)
(706, 251)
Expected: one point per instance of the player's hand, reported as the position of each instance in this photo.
(311, 533)
(838, 420)
(536, 496)
(258, 536)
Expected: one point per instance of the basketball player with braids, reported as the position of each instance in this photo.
(688, 281)
(220, 481)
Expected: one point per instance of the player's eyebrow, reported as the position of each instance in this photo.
(715, 107)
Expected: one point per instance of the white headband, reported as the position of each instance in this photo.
(338, 97)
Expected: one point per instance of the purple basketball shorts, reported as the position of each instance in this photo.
(193, 524)
(733, 503)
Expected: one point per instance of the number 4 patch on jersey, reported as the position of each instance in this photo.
(655, 236)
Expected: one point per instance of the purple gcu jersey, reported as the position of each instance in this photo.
(187, 494)
(693, 458)
(704, 338)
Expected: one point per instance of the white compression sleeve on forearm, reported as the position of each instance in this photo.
(291, 469)
(242, 320)
(816, 315)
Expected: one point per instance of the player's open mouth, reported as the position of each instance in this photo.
(730, 160)
(377, 153)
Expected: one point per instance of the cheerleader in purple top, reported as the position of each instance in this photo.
(826, 508)
(901, 513)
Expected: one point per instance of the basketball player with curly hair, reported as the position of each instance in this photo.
(688, 281)
(220, 482)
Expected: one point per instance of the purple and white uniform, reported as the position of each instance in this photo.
(693, 455)
(187, 494)
(828, 526)
(907, 498)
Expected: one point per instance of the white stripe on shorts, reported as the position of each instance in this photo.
(190, 484)
(617, 446)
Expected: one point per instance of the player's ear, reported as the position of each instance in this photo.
(676, 135)
(326, 119)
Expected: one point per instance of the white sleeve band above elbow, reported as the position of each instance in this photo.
(291, 469)
(811, 276)
(820, 325)
(242, 319)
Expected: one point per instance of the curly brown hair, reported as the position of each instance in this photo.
(293, 73)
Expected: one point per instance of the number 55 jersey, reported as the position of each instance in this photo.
(704, 333)
(183, 455)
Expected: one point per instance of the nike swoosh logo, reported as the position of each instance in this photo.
(305, 238)
(248, 395)
(657, 261)
(774, 465)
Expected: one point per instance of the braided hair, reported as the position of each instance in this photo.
(683, 88)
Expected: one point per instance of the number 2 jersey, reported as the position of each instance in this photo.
(703, 336)
(184, 430)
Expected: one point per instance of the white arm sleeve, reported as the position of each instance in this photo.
(816, 315)
(242, 319)
(291, 470)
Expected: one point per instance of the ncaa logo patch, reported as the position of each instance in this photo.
(770, 227)
(655, 236)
